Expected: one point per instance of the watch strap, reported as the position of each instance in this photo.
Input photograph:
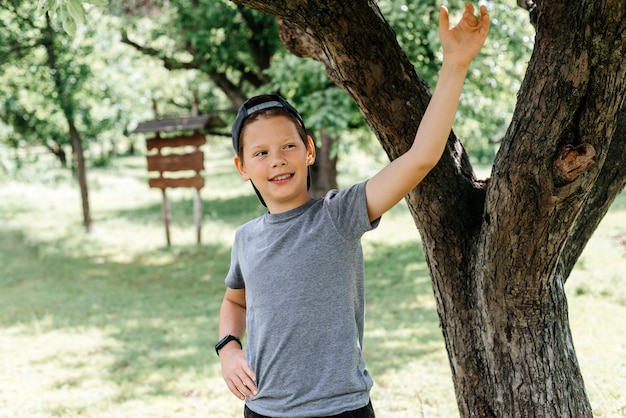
(225, 341)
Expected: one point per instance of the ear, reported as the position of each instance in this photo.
(240, 168)
(310, 151)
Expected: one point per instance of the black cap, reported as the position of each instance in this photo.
(257, 104)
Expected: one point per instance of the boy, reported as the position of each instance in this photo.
(296, 279)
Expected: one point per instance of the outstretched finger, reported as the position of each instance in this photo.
(469, 14)
(484, 17)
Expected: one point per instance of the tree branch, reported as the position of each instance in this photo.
(168, 62)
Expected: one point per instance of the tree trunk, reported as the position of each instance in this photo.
(81, 173)
(66, 104)
(500, 251)
(324, 171)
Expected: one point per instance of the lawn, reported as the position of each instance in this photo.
(116, 324)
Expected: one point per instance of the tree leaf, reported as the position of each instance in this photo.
(69, 25)
(76, 10)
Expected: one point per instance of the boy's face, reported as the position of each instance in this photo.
(276, 160)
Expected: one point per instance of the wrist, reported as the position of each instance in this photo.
(229, 349)
(227, 341)
(454, 67)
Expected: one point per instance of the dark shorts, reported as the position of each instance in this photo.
(365, 412)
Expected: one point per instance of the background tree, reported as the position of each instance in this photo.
(22, 61)
(76, 95)
(499, 251)
(51, 56)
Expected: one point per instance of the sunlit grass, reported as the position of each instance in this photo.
(116, 324)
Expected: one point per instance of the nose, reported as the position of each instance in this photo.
(279, 160)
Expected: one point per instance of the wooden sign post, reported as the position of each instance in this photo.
(176, 162)
(179, 158)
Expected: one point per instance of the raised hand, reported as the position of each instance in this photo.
(462, 42)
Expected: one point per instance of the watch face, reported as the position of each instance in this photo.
(221, 343)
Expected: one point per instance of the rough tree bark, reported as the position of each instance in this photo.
(499, 251)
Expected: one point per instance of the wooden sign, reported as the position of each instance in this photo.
(176, 162)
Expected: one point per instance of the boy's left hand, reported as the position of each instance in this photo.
(462, 42)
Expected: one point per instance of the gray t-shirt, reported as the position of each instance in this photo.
(305, 302)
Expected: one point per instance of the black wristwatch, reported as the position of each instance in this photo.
(225, 341)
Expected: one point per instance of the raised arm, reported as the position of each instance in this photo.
(460, 45)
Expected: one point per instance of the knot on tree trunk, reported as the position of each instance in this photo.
(571, 161)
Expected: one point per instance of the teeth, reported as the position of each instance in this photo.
(283, 177)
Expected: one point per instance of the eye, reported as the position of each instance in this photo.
(260, 153)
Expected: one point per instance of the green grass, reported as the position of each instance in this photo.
(116, 324)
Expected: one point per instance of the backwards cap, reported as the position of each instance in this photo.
(257, 104)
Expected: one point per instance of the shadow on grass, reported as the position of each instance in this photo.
(401, 317)
(159, 312)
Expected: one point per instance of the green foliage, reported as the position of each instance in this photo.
(220, 36)
(29, 101)
(217, 38)
(416, 27)
(71, 12)
(106, 89)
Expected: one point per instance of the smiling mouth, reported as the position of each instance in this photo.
(280, 178)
